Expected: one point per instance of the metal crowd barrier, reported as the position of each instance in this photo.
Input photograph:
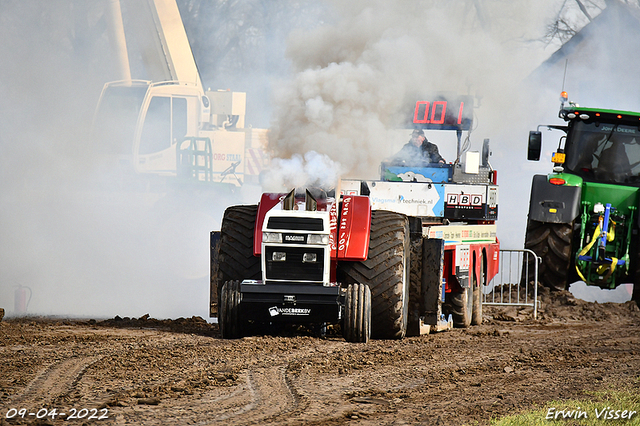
(506, 288)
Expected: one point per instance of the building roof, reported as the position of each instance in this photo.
(603, 60)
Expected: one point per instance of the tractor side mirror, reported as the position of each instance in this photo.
(535, 145)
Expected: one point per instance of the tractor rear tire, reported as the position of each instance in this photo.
(357, 319)
(229, 316)
(478, 284)
(386, 271)
(462, 307)
(552, 243)
(235, 259)
(635, 265)
(635, 296)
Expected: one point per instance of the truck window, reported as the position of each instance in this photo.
(156, 132)
(179, 114)
(115, 120)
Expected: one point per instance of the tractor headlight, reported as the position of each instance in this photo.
(318, 239)
(279, 256)
(272, 237)
(309, 258)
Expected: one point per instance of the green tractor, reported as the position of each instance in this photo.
(583, 218)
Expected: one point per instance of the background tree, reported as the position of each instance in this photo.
(570, 18)
(240, 44)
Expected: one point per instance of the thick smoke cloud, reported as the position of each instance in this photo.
(354, 77)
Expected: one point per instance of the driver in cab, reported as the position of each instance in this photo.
(418, 151)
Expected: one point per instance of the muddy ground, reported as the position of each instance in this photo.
(176, 372)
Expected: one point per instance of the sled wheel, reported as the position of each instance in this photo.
(478, 284)
(386, 271)
(462, 307)
(229, 317)
(357, 319)
(552, 243)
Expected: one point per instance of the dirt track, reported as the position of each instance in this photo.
(151, 372)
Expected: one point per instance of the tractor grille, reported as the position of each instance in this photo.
(296, 223)
(293, 268)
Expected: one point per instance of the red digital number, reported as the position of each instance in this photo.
(437, 108)
(442, 112)
(417, 111)
(436, 113)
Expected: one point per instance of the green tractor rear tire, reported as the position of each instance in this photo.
(552, 243)
(635, 295)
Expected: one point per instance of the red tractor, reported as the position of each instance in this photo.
(279, 261)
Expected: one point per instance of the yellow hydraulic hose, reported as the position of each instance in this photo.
(602, 268)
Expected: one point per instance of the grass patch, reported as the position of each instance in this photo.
(600, 408)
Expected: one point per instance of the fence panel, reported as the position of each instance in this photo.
(510, 287)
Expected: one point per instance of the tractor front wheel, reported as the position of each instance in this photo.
(229, 316)
(357, 317)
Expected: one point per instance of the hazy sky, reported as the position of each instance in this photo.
(88, 250)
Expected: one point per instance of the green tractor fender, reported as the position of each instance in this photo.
(551, 203)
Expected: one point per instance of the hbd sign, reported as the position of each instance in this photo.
(470, 200)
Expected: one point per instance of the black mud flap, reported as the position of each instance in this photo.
(432, 275)
(291, 303)
(553, 203)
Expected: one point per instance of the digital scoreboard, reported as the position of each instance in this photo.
(441, 113)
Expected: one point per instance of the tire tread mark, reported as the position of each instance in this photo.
(54, 380)
(265, 405)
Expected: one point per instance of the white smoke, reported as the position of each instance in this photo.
(300, 171)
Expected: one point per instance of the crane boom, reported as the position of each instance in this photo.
(156, 41)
